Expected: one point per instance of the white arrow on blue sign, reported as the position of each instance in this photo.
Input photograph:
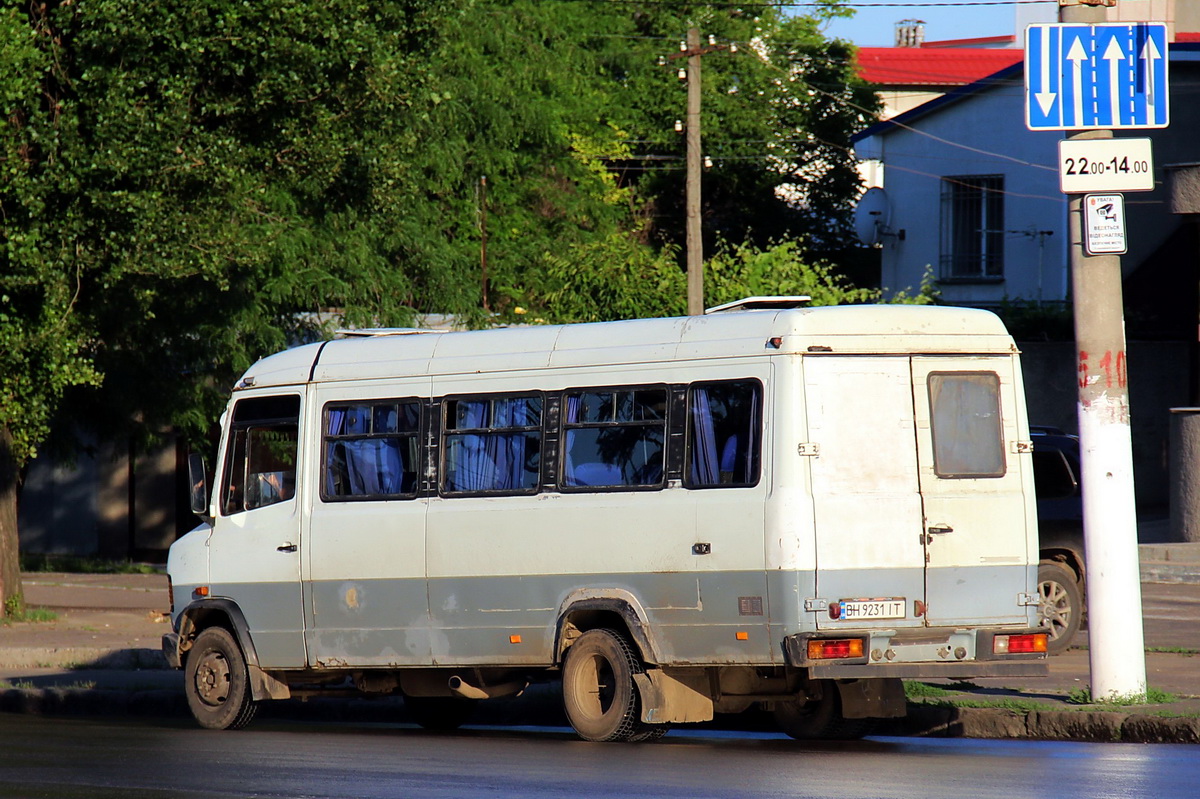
(1080, 77)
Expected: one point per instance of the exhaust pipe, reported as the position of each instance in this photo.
(460, 687)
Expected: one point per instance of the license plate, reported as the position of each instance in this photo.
(867, 609)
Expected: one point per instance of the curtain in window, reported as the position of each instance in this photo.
(704, 445)
(473, 469)
(507, 450)
(365, 466)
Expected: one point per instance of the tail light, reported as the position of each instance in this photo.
(829, 648)
(1026, 644)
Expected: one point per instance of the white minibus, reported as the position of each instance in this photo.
(773, 507)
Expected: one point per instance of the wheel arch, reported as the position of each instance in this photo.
(204, 613)
(617, 609)
(1065, 553)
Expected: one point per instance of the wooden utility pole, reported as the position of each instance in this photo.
(695, 245)
(483, 265)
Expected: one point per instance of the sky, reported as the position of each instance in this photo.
(873, 24)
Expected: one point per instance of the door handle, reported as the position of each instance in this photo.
(288, 547)
(940, 529)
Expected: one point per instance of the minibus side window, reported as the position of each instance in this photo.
(260, 465)
(492, 445)
(723, 432)
(371, 450)
(614, 438)
(968, 437)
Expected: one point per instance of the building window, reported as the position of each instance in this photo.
(972, 227)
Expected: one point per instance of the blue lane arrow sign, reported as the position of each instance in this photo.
(1096, 76)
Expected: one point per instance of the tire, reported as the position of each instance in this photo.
(599, 695)
(1061, 605)
(217, 682)
(820, 719)
(439, 713)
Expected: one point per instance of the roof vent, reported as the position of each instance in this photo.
(910, 33)
(762, 304)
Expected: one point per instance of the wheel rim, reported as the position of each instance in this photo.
(1056, 607)
(598, 687)
(213, 679)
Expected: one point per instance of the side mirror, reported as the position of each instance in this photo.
(199, 484)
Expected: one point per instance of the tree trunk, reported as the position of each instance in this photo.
(10, 564)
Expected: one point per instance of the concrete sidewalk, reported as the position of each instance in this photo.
(102, 656)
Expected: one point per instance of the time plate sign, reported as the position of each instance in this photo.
(1088, 165)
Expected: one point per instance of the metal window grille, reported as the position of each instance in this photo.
(972, 227)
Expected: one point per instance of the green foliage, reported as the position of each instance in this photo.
(191, 186)
(82, 565)
(741, 270)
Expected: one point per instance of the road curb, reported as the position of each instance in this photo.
(1102, 726)
(923, 720)
(75, 658)
(1168, 572)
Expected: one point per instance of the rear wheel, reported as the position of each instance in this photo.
(1061, 605)
(820, 719)
(599, 695)
(217, 682)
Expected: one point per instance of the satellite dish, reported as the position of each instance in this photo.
(872, 216)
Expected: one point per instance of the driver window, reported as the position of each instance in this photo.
(260, 466)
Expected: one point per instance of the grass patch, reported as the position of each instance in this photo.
(1173, 650)
(20, 685)
(924, 690)
(82, 565)
(1154, 696)
(15, 610)
(1022, 705)
(26, 685)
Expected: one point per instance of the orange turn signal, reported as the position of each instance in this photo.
(201, 590)
(514, 639)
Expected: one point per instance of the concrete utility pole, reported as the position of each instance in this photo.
(1116, 643)
(695, 245)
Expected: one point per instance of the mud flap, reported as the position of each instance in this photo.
(678, 698)
(873, 699)
(264, 685)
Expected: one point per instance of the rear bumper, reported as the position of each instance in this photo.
(970, 669)
(925, 654)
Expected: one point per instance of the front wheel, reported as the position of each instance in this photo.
(217, 682)
(599, 694)
(1061, 605)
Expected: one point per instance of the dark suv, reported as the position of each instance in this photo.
(1062, 577)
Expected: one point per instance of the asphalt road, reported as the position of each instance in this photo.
(68, 758)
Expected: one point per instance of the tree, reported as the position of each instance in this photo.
(192, 186)
(43, 350)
